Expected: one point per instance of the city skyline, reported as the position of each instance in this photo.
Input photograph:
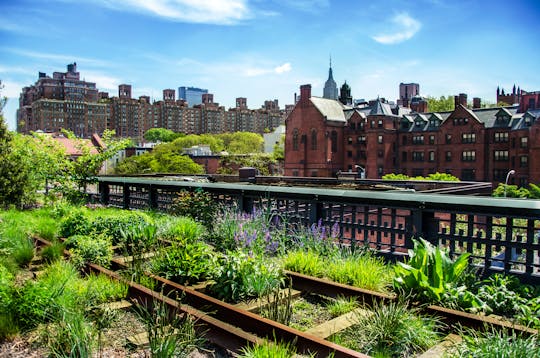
(264, 50)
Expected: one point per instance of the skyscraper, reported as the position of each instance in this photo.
(330, 87)
(191, 95)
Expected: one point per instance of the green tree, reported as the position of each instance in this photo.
(512, 191)
(159, 161)
(13, 174)
(279, 149)
(87, 165)
(242, 142)
(442, 104)
(160, 135)
(216, 144)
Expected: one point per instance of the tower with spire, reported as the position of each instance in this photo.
(330, 87)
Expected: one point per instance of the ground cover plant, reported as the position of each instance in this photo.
(391, 330)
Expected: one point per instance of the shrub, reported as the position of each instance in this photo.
(198, 205)
(240, 277)
(94, 248)
(118, 221)
(75, 223)
(185, 263)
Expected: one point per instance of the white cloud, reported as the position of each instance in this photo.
(12, 89)
(58, 58)
(407, 27)
(103, 82)
(286, 67)
(220, 12)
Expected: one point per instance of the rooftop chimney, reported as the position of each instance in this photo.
(477, 102)
(305, 94)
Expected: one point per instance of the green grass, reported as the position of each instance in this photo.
(341, 305)
(392, 330)
(495, 344)
(304, 262)
(269, 350)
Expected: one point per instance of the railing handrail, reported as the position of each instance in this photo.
(526, 208)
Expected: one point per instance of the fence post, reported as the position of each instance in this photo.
(152, 197)
(245, 203)
(125, 192)
(422, 224)
(315, 211)
(104, 193)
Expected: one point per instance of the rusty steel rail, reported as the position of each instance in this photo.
(449, 316)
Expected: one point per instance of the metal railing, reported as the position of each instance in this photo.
(502, 235)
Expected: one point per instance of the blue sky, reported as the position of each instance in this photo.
(266, 49)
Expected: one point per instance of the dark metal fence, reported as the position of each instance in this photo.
(502, 235)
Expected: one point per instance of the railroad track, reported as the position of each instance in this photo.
(233, 328)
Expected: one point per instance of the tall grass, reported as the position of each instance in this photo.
(391, 330)
(493, 343)
(269, 349)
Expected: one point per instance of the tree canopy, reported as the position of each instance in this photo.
(161, 135)
(442, 104)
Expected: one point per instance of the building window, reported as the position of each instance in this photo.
(349, 140)
(379, 123)
(361, 154)
(500, 137)
(432, 156)
(361, 139)
(403, 156)
(468, 138)
(523, 161)
(448, 156)
(468, 174)
(380, 171)
(448, 139)
(404, 140)
(352, 125)
(295, 139)
(431, 139)
(418, 156)
(380, 153)
(500, 155)
(333, 140)
(468, 156)
(349, 154)
(499, 174)
(372, 124)
(380, 139)
(313, 139)
(418, 139)
(524, 142)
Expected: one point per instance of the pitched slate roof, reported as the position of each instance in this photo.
(380, 108)
(331, 109)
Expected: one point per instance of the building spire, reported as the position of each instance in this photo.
(330, 88)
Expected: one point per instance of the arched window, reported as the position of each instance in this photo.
(313, 139)
(333, 140)
(295, 139)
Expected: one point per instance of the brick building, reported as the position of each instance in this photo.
(324, 137)
(64, 101)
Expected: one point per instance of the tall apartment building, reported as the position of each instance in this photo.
(192, 95)
(61, 101)
(64, 101)
(323, 136)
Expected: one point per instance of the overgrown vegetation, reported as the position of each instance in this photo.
(433, 176)
(513, 191)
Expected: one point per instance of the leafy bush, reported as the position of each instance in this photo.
(198, 205)
(75, 223)
(429, 272)
(95, 248)
(118, 221)
(433, 176)
(185, 263)
(240, 277)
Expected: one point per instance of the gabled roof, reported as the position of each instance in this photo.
(331, 109)
(380, 108)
